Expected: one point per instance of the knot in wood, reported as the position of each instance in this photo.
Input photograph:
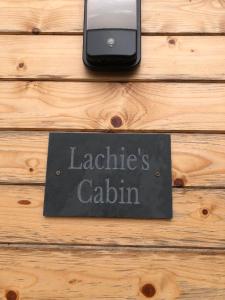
(36, 30)
(116, 121)
(179, 182)
(11, 295)
(148, 290)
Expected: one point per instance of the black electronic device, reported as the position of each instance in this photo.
(112, 34)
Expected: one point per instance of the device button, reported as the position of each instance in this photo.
(111, 42)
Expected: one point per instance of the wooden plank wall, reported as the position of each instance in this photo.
(179, 89)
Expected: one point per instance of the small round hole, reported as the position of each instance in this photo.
(205, 212)
(31, 170)
(148, 290)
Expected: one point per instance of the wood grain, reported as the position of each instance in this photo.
(199, 220)
(63, 16)
(163, 58)
(88, 105)
(115, 274)
(49, 264)
(198, 160)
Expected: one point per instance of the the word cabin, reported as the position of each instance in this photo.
(87, 192)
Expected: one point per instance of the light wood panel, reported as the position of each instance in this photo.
(163, 58)
(60, 269)
(199, 221)
(140, 106)
(198, 160)
(111, 274)
(63, 16)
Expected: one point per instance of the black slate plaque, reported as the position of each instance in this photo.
(109, 175)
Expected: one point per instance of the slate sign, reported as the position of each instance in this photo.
(109, 175)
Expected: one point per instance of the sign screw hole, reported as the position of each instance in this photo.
(58, 173)
(157, 174)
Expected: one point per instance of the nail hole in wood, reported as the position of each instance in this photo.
(11, 295)
(24, 202)
(116, 122)
(31, 170)
(148, 290)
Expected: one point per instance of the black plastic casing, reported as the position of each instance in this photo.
(124, 54)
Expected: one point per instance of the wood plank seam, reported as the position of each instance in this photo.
(112, 248)
(168, 34)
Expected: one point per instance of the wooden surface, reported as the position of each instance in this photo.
(92, 273)
(179, 88)
(190, 227)
(141, 106)
(66, 16)
(58, 57)
(198, 159)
